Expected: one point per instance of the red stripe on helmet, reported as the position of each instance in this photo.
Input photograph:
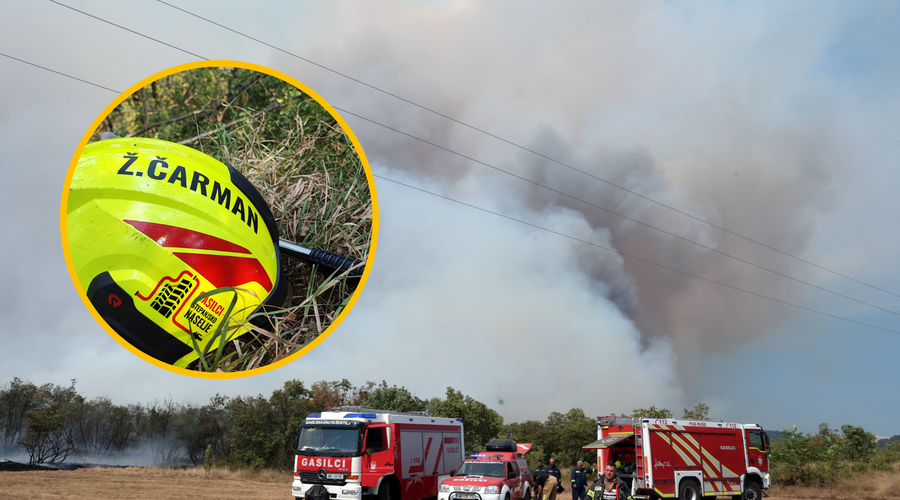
(226, 270)
(179, 237)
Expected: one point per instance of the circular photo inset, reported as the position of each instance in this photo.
(219, 219)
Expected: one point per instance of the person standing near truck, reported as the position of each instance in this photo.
(609, 487)
(579, 481)
(538, 471)
(554, 471)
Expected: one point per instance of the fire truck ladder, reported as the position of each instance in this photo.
(639, 453)
(359, 409)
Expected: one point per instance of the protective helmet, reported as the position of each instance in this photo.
(151, 227)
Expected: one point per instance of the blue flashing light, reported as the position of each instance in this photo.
(314, 415)
(359, 415)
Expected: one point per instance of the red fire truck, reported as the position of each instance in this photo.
(685, 459)
(499, 473)
(355, 452)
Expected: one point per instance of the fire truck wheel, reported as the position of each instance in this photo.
(689, 490)
(752, 491)
(527, 495)
(385, 490)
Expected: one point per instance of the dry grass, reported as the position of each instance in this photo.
(145, 483)
(874, 485)
(222, 483)
(320, 202)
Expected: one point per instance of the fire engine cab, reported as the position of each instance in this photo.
(685, 459)
(499, 473)
(357, 452)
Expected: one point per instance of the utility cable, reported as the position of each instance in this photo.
(544, 186)
(506, 171)
(59, 73)
(524, 148)
(623, 254)
(129, 30)
(559, 233)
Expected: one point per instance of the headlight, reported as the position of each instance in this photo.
(492, 489)
(444, 488)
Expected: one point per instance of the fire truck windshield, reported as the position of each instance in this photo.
(329, 441)
(482, 468)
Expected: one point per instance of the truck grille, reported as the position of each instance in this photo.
(312, 477)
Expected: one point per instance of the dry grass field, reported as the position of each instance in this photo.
(189, 484)
(873, 486)
(145, 484)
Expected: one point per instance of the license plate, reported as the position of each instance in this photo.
(466, 495)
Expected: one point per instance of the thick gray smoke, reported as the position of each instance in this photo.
(710, 129)
(724, 111)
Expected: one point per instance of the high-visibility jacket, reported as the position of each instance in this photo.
(620, 491)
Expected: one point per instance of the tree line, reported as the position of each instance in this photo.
(51, 423)
(828, 456)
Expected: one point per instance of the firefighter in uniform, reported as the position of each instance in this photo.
(546, 487)
(538, 471)
(608, 486)
(554, 471)
(579, 481)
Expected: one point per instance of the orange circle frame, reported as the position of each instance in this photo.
(217, 64)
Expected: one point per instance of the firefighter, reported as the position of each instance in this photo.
(538, 471)
(546, 487)
(554, 471)
(608, 486)
(580, 477)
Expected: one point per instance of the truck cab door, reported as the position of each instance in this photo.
(378, 450)
(757, 450)
(512, 479)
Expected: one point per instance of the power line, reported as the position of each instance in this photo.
(506, 171)
(556, 232)
(544, 186)
(129, 30)
(59, 73)
(573, 238)
(524, 148)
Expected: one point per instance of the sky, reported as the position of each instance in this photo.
(757, 143)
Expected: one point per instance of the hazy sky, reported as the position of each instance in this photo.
(776, 121)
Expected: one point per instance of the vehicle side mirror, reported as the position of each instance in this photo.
(511, 475)
(452, 473)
